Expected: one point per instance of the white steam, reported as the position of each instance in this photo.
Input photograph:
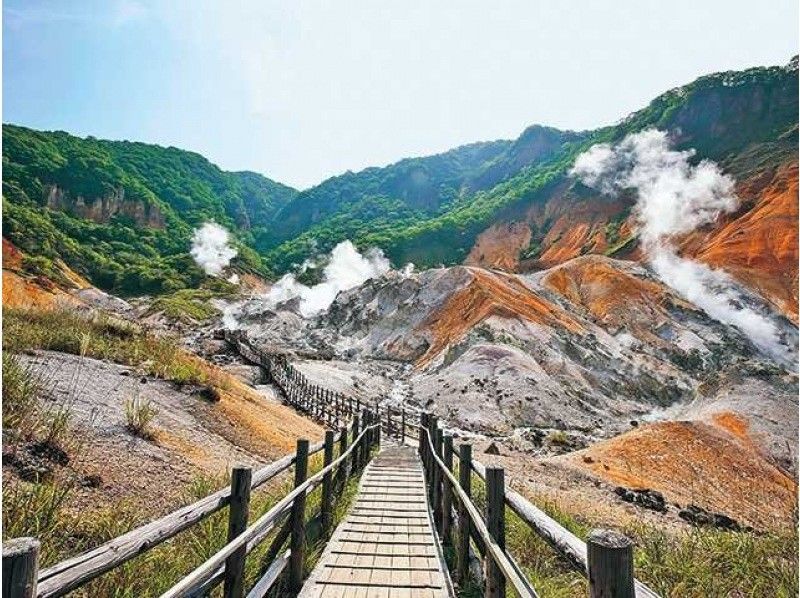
(674, 197)
(211, 249)
(346, 269)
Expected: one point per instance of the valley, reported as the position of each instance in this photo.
(514, 288)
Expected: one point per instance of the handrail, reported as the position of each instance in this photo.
(209, 567)
(74, 572)
(560, 538)
(521, 585)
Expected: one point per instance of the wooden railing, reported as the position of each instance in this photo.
(22, 579)
(293, 506)
(607, 558)
(318, 402)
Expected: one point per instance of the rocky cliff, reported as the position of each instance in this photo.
(103, 209)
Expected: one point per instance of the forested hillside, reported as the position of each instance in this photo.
(122, 213)
(744, 120)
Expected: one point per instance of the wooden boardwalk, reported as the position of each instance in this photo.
(387, 546)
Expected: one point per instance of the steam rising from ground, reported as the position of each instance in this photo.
(346, 269)
(211, 248)
(674, 197)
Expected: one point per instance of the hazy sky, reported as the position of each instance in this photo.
(301, 91)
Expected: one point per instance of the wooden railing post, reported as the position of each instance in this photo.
(403, 427)
(438, 476)
(20, 567)
(238, 514)
(341, 474)
(364, 449)
(433, 425)
(465, 481)
(327, 486)
(496, 524)
(420, 440)
(298, 537)
(610, 564)
(354, 467)
(447, 492)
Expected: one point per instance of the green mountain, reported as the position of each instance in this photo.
(740, 119)
(122, 213)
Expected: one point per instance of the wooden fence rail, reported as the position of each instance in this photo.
(293, 502)
(412, 425)
(607, 561)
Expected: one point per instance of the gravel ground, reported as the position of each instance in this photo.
(192, 436)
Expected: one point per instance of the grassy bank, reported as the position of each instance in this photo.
(102, 337)
(695, 562)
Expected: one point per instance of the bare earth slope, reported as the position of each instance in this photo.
(581, 356)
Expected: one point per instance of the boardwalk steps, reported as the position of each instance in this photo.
(387, 546)
(411, 502)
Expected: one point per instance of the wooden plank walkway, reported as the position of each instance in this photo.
(387, 546)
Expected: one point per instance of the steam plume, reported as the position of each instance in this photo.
(211, 249)
(346, 269)
(674, 197)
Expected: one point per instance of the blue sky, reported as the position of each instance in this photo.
(301, 91)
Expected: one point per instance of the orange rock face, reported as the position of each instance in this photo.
(499, 246)
(23, 290)
(759, 246)
(489, 294)
(614, 297)
(696, 463)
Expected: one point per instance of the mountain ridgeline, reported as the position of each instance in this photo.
(122, 213)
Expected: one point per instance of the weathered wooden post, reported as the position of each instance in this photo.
(403, 427)
(420, 444)
(423, 447)
(356, 448)
(298, 535)
(327, 486)
(465, 481)
(610, 564)
(238, 513)
(496, 524)
(341, 474)
(447, 492)
(438, 476)
(20, 567)
(366, 419)
(433, 425)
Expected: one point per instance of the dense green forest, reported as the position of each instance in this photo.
(426, 210)
(739, 118)
(160, 195)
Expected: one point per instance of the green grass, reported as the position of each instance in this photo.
(620, 246)
(102, 337)
(21, 390)
(41, 510)
(187, 305)
(697, 562)
(139, 416)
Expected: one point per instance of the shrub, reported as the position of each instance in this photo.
(20, 394)
(139, 416)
